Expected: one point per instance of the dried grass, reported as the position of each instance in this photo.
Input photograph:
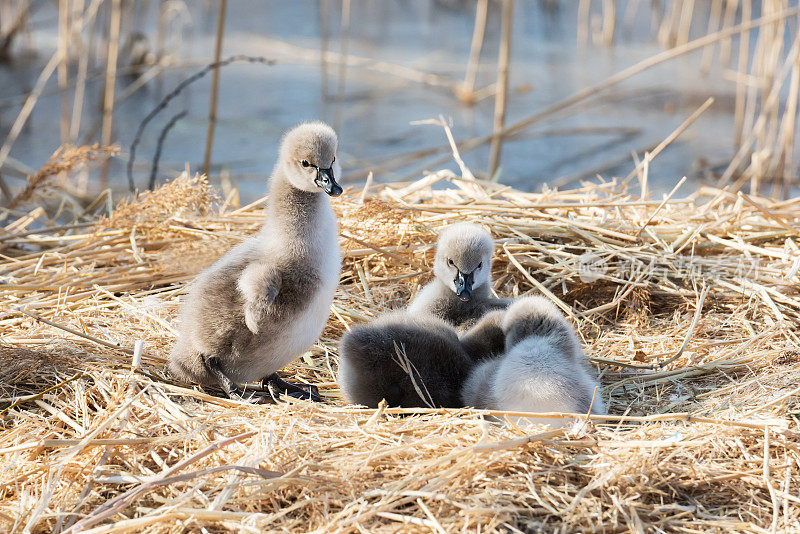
(155, 211)
(67, 158)
(703, 434)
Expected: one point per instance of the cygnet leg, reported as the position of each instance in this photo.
(276, 385)
(229, 386)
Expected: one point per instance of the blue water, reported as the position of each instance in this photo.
(257, 103)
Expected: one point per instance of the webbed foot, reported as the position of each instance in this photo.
(276, 386)
(230, 387)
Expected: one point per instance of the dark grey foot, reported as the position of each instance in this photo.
(230, 387)
(278, 386)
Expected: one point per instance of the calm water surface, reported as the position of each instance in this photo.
(374, 111)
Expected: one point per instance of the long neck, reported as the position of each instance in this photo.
(291, 212)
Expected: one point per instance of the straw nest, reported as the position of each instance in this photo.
(688, 307)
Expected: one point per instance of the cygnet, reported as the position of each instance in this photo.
(460, 293)
(543, 369)
(411, 361)
(266, 301)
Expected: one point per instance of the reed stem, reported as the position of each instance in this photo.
(501, 96)
(212, 105)
(110, 83)
(467, 89)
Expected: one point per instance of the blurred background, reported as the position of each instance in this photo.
(571, 89)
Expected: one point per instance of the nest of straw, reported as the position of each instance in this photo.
(688, 307)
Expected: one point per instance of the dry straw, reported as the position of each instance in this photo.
(65, 159)
(689, 308)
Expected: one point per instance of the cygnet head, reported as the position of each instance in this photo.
(307, 154)
(535, 316)
(464, 258)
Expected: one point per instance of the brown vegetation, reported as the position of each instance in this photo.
(66, 158)
(693, 326)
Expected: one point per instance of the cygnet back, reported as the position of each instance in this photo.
(409, 361)
(542, 370)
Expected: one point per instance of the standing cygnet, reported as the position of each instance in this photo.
(411, 361)
(542, 370)
(460, 292)
(265, 302)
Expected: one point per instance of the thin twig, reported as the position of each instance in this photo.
(697, 313)
(42, 393)
(501, 96)
(663, 203)
(110, 83)
(117, 504)
(159, 145)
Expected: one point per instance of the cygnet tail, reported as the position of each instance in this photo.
(537, 377)
(363, 346)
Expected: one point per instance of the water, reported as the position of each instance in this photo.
(257, 103)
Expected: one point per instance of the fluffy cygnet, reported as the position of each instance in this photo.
(542, 370)
(460, 293)
(267, 300)
(409, 360)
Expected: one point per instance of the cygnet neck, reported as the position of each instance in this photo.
(290, 210)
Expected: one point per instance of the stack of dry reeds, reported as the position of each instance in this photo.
(689, 307)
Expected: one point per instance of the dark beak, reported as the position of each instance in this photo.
(463, 284)
(326, 181)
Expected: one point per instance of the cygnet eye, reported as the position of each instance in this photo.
(480, 265)
(334, 160)
(450, 262)
(305, 163)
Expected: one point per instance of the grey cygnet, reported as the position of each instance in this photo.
(411, 361)
(543, 369)
(460, 293)
(267, 300)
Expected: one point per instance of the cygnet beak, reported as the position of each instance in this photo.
(463, 283)
(326, 181)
